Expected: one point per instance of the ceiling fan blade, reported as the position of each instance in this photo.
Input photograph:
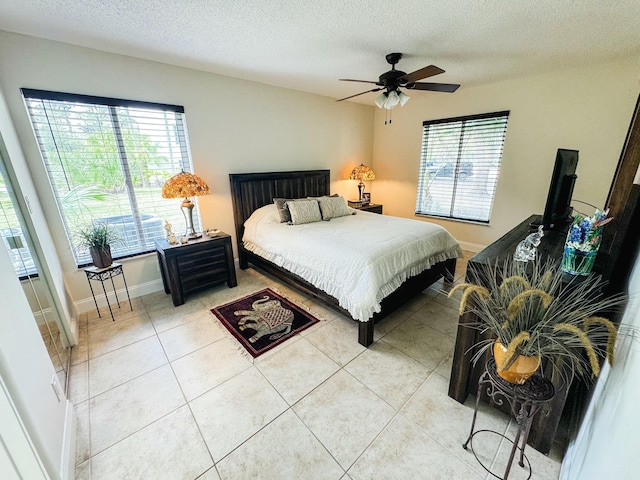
(361, 81)
(425, 72)
(361, 93)
(434, 87)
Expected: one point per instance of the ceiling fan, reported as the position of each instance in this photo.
(392, 80)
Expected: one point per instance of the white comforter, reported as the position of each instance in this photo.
(358, 259)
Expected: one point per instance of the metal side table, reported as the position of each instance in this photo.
(525, 401)
(102, 274)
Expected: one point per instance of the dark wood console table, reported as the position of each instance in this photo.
(464, 375)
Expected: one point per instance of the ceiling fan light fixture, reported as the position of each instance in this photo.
(393, 99)
(381, 100)
(404, 98)
(393, 80)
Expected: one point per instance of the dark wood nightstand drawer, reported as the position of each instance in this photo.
(192, 262)
(203, 266)
(203, 278)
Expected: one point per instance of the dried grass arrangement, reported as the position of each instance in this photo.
(543, 312)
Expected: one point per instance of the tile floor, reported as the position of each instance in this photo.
(165, 393)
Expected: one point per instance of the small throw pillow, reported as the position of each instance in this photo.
(283, 210)
(333, 207)
(304, 211)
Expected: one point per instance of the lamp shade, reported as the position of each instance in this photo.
(184, 185)
(381, 100)
(404, 98)
(391, 99)
(362, 172)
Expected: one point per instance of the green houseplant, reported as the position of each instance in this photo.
(97, 237)
(541, 312)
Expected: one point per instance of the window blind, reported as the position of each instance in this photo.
(12, 234)
(107, 160)
(459, 166)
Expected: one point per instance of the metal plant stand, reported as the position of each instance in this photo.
(525, 401)
(102, 274)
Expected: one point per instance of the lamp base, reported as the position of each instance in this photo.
(187, 211)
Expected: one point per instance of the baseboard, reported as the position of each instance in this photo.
(472, 247)
(41, 316)
(68, 460)
(87, 304)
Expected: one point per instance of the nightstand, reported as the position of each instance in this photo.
(372, 207)
(192, 266)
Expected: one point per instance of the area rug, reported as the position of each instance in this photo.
(262, 320)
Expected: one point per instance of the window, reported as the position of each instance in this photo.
(107, 160)
(459, 166)
(12, 235)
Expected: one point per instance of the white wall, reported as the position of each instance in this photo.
(588, 109)
(234, 126)
(607, 443)
(18, 456)
(27, 371)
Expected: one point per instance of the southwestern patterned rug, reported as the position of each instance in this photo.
(262, 320)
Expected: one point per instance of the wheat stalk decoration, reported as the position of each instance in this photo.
(611, 339)
(519, 301)
(516, 278)
(468, 288)
(586, 343)
(547, 278)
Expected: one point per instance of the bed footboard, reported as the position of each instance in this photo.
(395, 300)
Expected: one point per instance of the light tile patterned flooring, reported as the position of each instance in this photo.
(165, 393)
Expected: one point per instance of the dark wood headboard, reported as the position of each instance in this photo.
(250, 191)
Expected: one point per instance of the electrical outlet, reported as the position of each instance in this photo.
(55, 386)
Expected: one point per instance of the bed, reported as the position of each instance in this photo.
(253, 191)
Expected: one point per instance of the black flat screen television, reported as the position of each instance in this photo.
(557, 212)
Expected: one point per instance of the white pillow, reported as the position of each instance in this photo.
(333, 207)
(304, 211)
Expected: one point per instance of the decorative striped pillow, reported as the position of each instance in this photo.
(333, 207)
(304, 211)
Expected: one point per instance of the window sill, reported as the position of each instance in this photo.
(460, 220)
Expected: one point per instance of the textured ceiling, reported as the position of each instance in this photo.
(307, 45)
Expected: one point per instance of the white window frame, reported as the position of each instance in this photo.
(140, 146)
(459, 166)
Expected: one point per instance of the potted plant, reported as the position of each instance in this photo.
(540, 313)
(98, 237)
